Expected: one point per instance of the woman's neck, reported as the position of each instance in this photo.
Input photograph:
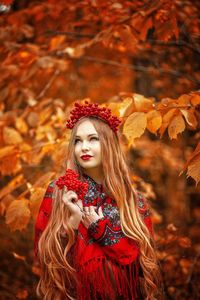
(95, 174)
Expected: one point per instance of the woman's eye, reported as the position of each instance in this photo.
(92, 138)
(96, 138)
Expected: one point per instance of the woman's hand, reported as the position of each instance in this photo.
(74, 205)
(90, 215)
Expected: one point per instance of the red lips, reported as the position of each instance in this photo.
(86, 157)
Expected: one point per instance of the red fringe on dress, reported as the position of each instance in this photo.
(107, 282)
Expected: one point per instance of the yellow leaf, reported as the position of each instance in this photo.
(195, 100)
(5, 202)
(190, 117)
(7, 151)
(154, 120)
(45, 114)
(142, 103)
(11, 136)
(114, 108)
(26, 152)
(135, 125)
(21, 125)
(46, 131)
(37, 195)
(10, 164)
(126, 107)
(176, 126)
(166, 119)
(18, 214)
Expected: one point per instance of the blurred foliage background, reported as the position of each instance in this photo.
(141, 59)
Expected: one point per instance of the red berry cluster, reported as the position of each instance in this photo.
(71, 181)
(92, 109)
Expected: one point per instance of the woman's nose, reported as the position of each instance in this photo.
(85, 145)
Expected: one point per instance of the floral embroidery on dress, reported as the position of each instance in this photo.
(112, 212)
(109, 237)
(94, 192)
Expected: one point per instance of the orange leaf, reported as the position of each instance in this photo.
(184, 100)
(176, 126)
(18, 214)
(10, 164)
(184, 242)
(5, 202)
(190, 117)
(56, 42)
(147, 24)
(194, 169)
(7, 151)
(156, 217)
(22, 294)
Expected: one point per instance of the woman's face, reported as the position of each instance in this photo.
(87, 143)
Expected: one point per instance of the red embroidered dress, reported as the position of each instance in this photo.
(105, 259)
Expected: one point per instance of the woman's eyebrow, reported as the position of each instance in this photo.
(88, 134)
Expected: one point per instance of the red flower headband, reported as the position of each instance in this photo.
(92, 109)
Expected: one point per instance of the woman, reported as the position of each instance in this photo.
(101, 247)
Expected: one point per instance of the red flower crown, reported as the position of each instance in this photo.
(92, 109)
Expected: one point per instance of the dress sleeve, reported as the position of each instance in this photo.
(108, 234)
(116, 245)
(43, 216)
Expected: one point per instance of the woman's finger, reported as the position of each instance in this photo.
(100, 212)
(86, 210)
(80, 204)
(91, 210)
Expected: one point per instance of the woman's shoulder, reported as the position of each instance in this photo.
(48, 195)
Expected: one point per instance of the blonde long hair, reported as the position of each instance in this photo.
(58, 275)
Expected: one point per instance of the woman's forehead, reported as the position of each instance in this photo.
(86, 127)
